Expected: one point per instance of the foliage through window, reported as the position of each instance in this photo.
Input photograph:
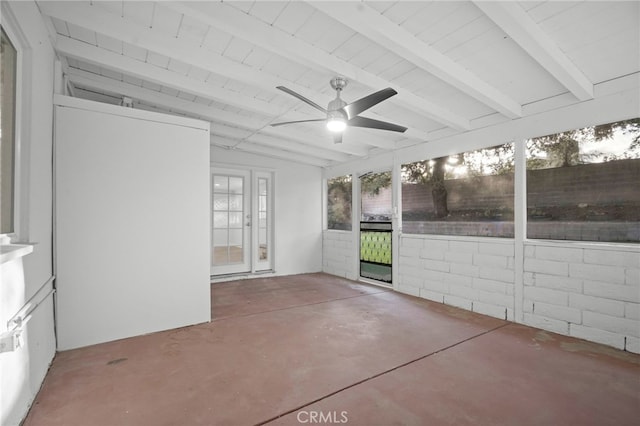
(339, 203)
(8, 62)
(582, 184)
(376, 203)
(470, 193)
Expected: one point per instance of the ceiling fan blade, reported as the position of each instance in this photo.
(298, 121)
(302, 98)
(363, 104)
(375, 124)
(337, 137)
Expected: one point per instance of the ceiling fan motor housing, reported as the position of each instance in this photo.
(338, 83)
(334, 109)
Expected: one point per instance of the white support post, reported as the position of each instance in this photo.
(355, 222)
(520, 225)
(396, 182)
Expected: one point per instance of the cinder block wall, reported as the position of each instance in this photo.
(584, 291)
(470, 273)
(338, 254)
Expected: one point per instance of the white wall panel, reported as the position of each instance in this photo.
(132, 223)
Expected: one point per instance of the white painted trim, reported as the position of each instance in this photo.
(241, 166)
(461, 238)
(10, 252)
(69, 102)
(324, 190)
(259, 266)
(356, 206)
(396, 221)
(247, 266)
(520, 226)
(586, 245)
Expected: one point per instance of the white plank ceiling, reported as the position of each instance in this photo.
(456, 65)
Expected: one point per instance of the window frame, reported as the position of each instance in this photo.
(20, 165)
(526, 220)
(325, 207)
(495, 229)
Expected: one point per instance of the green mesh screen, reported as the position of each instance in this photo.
(375, 246)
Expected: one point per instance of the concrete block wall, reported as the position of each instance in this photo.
(584, 291)
(476, 274)
(339, 254)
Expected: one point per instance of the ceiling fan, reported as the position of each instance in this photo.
(340, 114)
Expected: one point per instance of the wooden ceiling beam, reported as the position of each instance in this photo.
(255, 31)
(110, 60)
(370, 23)
(518, 25)
(89, 17)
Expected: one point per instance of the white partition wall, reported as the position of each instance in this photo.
(132, 222)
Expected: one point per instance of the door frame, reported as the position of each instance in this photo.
(357, 218)
(252, 262)
(245, 265)
(261, 265)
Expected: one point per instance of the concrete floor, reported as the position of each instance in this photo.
(317, 349)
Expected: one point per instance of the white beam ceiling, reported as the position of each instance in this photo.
(454, 68)
(372, 24)
(241, 25)
(87, 16)
(515, 21)
(111, 60)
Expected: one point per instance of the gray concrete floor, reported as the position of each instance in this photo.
(317, 349)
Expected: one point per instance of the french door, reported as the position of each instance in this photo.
(241, 221)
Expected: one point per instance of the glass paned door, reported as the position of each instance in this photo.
(262, 219)
(231, 222)
(262, 224)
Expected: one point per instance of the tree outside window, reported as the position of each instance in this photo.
(339, 203)
(582, 184)
(469, 193)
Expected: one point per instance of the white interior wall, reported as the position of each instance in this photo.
(22, 371)
(132, 222)
(586, 290)
(297, 204)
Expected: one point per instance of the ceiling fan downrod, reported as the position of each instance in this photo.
(336, 118)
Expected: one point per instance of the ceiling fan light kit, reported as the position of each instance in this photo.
(336, 124)
(340, 115)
